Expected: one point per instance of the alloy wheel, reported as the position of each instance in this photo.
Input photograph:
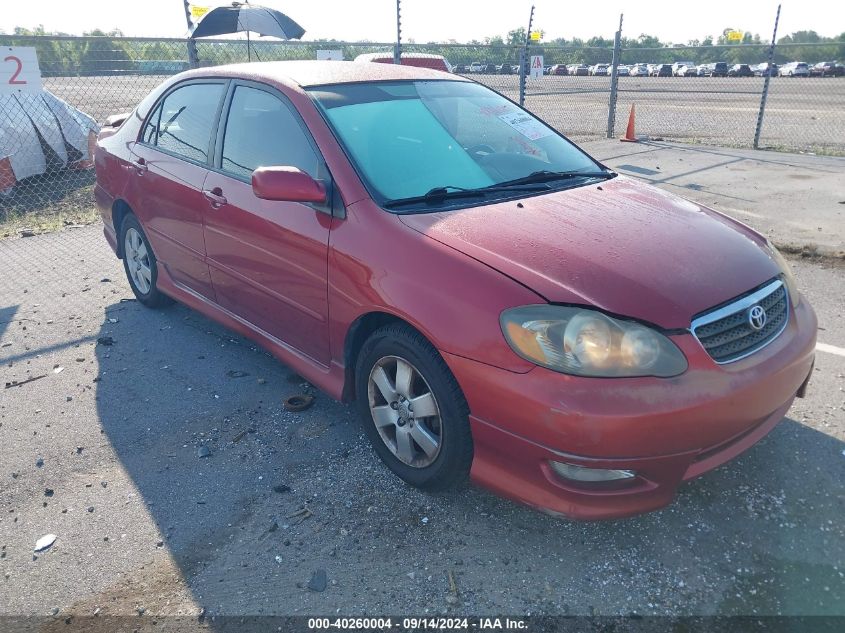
(137, 260)
(405, 411)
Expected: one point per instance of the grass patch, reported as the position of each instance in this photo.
(811, 252)
(42, 204)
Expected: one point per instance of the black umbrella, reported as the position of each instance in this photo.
(248, 17)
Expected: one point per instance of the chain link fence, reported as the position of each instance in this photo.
(46, 140)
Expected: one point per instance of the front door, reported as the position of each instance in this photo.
(268, 259)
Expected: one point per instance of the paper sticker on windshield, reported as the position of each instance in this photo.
(526, 125)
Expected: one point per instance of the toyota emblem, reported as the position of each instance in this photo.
(757, 317)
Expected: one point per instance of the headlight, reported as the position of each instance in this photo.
(589, 343)
(788, 279)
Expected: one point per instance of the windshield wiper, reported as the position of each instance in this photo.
(549, 176)
(438, 195)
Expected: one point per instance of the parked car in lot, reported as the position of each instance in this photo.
(461, 69)
(579, 70)
(507, 69)
(476, 67)
(702, 70)
(740, 70)
(661, 70)
(765, 69)
(718, 69)
(687, 71)
(600, 70)
(490, 69)
(677, 66)
(420, 60)
(639, 70)
(412, 263)
(558, 69)
(823, 69)
(794, 69)
(623, 71)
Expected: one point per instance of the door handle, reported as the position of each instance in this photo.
(140, 165)
(215, 197)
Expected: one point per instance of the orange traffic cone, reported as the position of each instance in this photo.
(630, 137)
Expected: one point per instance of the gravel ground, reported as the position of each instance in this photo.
(175, 482)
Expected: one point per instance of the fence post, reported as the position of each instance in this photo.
(523, 59)
(193, 58)
(614, 80)
(397, 49)
(766, 84)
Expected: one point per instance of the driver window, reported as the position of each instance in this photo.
(261, 131)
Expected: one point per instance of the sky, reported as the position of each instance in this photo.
(444, 20)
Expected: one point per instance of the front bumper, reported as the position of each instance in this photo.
(667, 430)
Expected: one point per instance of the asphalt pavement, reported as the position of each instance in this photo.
(155, 447)
(797, 200)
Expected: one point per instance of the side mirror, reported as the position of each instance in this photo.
(288, 184)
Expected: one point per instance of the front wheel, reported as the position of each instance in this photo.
(412, 409)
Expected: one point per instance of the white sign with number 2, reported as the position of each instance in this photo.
(19, 70)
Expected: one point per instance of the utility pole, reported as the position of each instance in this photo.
(766, 84)
(397, 50)
(523, 58)
(193, 58)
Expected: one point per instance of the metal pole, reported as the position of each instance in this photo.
(193, 58)
(523, 58)
(766, 84)
(397, 50)
(614, 80)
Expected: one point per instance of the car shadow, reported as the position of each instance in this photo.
(250, 501)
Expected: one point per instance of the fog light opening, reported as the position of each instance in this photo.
(585, 474)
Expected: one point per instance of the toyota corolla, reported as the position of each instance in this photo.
(498, 304)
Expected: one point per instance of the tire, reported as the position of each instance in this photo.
(432, 387)
(141, 266)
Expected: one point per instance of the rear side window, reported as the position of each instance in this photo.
(261, 131)
(182, 123)
(150, 135)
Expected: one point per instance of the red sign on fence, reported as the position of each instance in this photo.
(536, 66)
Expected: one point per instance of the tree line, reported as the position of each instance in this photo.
(104, 52)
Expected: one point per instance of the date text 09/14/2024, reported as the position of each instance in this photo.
(417, 623)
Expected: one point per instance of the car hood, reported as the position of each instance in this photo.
(622, 246)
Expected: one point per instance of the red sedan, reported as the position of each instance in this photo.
(498, 304)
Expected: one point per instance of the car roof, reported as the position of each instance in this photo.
(307, 73)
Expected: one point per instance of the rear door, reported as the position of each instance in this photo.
(169, 167)
(268, 259)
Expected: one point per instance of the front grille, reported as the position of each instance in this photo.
(726, 332)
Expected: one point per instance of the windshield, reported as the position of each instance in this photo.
(407, 138)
